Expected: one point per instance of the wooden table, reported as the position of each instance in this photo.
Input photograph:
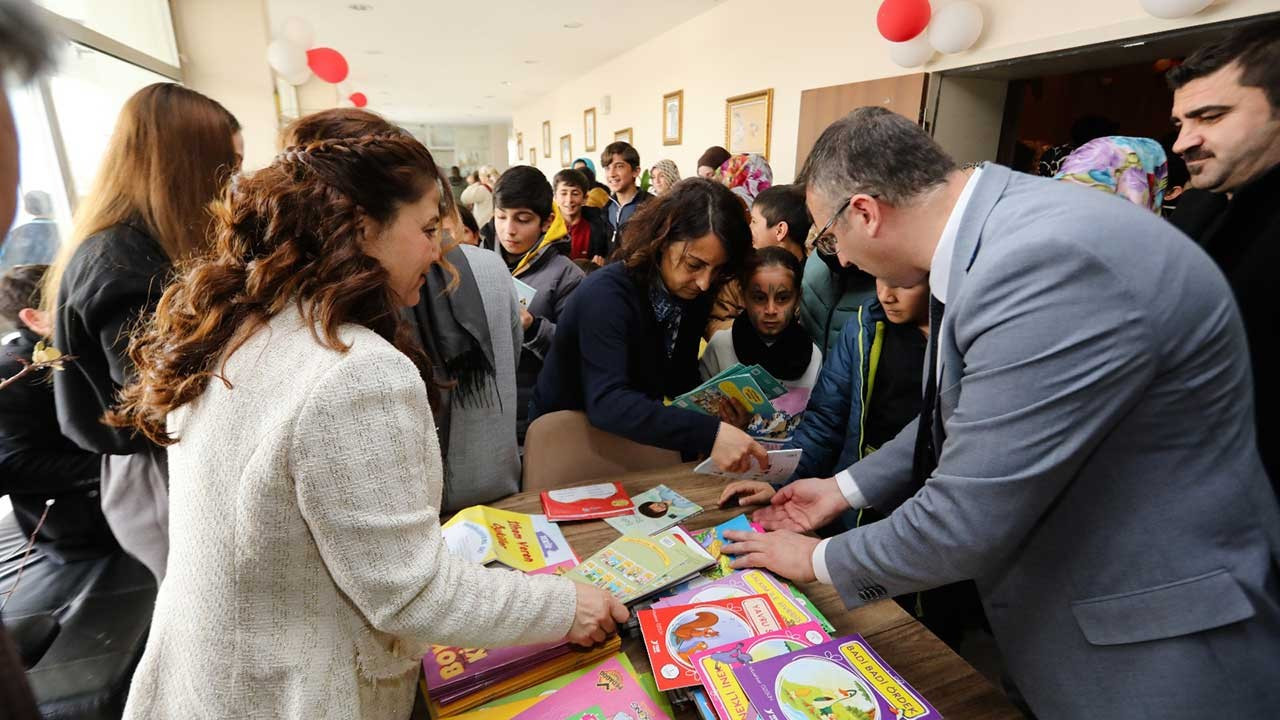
(957, 690)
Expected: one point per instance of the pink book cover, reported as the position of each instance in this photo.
(715, 666)
(607, 688)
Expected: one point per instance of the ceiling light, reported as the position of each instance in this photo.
(572, 25)
(360, 7)
(530, 62)
(1134, 44)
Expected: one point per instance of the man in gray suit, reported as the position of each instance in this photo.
(1086, 452)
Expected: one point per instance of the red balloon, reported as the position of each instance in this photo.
(359, 99)
(901, 20)
(328, 64)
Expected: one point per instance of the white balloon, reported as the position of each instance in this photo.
(286, 59)
(298, 33)
(299, 78)
(912, 53)
(956, 27)
(1174, 8)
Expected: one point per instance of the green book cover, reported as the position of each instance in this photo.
(634, 567)
(742, 387)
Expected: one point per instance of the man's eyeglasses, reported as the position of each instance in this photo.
(826, 244)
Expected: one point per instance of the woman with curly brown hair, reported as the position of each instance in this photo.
(630, 333)
(307, 571)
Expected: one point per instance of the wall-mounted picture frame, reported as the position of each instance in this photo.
(623, 135)
(589, 129)
(519, 145)
(748, 123)
(673, 118)
(533, 156)
(546, 138)
(566, 150)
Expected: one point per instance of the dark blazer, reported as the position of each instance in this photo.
(600, 232)
(1243, 236)
(1098, 474)
(608, 360)
(37, 462)
(114, 278)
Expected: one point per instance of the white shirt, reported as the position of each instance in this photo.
(939, 278)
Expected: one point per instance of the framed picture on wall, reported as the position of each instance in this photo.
(623, 135)
(546, 138)
(748, 123)
(589, 129)
(673, 118)
(519, 145)
(566, 150)
(533, 156)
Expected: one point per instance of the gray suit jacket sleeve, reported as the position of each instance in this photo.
(1053, 351)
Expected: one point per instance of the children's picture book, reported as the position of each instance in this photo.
(713, 539)
(484, 534)
(753, 387)
(673, 634)
(555, 547)
(633, 568)
(452, 672)
(742, 584)
(715, 665)
(524, 293)
(588, 502)
(788, 411)
(515, 678)
(510, 705)
(655, 510)
(607, 692)
(782, 465)
(838, 680)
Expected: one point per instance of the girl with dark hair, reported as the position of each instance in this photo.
(307, 559)
(629, 335)
(170, 155)
(768, 332)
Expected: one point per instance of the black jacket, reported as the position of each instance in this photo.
(1243, 236)
(38, 463)
(115, 277)
(600, 233)
(607, 359)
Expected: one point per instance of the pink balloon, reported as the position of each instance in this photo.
(328, 64)
(358, 99)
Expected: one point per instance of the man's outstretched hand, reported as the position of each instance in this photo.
(803, 506)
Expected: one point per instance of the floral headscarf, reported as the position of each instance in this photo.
(746, 175)
(1134, 168)
(668, 170)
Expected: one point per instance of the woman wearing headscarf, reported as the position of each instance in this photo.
(1134, 168)
(746, 175)
(664, 174)
(597, 194)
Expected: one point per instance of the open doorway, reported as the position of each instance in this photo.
(1030, 112)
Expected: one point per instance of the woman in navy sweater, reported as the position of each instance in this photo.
(629, 334)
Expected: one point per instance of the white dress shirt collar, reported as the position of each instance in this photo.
(940, 267)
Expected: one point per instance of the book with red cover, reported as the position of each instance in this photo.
(587, 502)
(673, 634)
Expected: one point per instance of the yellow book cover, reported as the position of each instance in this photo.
(484, 534)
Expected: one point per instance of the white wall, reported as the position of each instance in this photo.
(223, 46)
(742, 46)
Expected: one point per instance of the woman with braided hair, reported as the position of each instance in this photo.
(307, 571)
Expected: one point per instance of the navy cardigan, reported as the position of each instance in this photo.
(608, 360)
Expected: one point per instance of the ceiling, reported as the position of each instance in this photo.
(475, 61)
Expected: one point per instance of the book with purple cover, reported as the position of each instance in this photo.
(715, 666)
(742, 584)
(842, 679)
(607, 688)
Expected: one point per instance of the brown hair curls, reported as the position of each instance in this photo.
(292, 232)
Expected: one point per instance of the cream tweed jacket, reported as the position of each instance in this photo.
(307, 573)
